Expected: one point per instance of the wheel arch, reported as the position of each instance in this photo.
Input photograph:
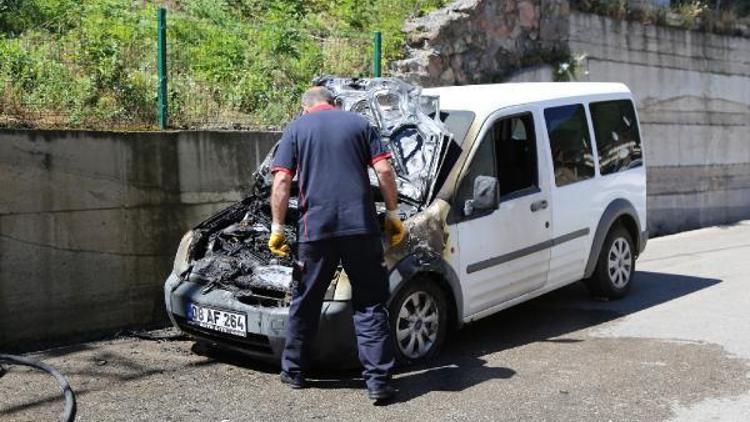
(619, 211)
(432, 266)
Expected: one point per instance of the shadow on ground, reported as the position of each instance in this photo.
(558, 314)
(554, 317)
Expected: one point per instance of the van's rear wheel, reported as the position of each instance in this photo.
(419, 321)
(615, 266)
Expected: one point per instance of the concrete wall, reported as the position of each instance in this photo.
(693, 94)
(90, 221)
(692, 90)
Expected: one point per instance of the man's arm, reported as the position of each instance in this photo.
(282, 184)
(387, 181)
(394, 229)
(378, 157)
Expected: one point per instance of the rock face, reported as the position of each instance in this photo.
(475, 41)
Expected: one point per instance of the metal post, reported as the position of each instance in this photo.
(161, 65)
(377, 53)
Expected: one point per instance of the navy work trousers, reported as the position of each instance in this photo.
(362, 259)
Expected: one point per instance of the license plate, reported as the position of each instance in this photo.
(233, 323)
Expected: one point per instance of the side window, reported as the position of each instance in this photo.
(515, 146)
(508, 152)
(570, 143)
(617, 140)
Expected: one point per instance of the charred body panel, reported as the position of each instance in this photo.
(227, 264)
(409, 124)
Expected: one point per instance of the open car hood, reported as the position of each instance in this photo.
(408, 122)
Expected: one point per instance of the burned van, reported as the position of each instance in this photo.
(508, 191)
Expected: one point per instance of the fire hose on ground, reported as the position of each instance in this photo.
(69, 413)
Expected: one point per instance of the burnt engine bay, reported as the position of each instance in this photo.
(229, 250)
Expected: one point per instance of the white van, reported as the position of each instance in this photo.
(509, 191)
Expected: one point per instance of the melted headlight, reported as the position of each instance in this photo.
(340, 289)
(343, 288)
(182, 258)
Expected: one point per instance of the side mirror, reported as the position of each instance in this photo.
(485, 195)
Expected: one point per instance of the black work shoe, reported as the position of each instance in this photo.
(293, 382)
(384, 393)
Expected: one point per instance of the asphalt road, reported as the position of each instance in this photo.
(676, 349)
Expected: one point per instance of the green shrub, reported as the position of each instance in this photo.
(691, 12)
(92, 63)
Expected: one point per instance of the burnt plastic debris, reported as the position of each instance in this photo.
(231, 252)
(237, 258)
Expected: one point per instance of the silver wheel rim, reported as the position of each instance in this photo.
(417, 325)
(619, 263)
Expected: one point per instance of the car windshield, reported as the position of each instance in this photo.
(458, 123)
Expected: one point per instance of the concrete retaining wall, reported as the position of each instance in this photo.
(693, 93)
(692, 90)
(693, 97)
(90, 221)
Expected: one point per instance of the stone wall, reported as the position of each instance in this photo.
(90, 222)
(692, 90)
(480, 41)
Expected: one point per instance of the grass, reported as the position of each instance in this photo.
(729, 17)
(232, 63)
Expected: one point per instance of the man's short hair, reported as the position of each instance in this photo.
(317, 95)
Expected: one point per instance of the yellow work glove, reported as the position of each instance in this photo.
(394, 228)
(277, 241)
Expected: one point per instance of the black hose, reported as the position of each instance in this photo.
(161, 335)
(69, 414)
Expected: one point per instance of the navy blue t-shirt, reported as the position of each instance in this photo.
(330, 150)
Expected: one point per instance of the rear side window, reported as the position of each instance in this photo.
(570, 143)
(617, 140)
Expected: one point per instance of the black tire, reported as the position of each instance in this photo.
(415, 290)
(608, 281)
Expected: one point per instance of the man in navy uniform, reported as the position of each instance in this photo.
(330, 150)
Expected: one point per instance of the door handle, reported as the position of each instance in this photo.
(538, 205)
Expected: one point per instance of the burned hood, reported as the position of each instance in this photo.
(408, 122)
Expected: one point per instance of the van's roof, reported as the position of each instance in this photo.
(490, 97)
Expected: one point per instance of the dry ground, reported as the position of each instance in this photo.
(677, 348)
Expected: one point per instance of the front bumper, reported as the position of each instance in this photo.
(335, 342)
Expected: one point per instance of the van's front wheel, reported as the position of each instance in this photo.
(615, 267)
(419, 321)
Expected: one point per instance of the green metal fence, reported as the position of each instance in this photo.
(174, 72)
